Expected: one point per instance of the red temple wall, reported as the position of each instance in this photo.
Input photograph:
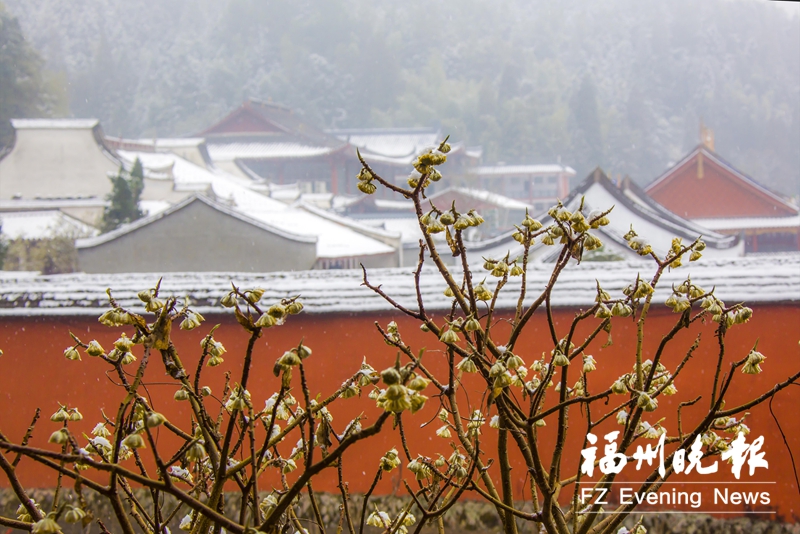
(34, 373)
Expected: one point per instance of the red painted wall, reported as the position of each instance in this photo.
(717, 194)
(33, 372)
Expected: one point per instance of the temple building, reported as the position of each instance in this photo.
(632, 208)
(708, 190)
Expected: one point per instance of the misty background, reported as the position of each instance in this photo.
(620, 83)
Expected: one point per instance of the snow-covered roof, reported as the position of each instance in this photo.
(746, 223)
(397, 146)
(144, 221)
(509, 170)
(221, 151)
(716, 158)
(334, 239)
(151, 207)
(52, 203)
(404, 205)
(391, 142)
(485, 196)
(734, 280)
(42, 225)
(650, 220)
(54, 124)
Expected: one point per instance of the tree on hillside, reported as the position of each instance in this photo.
(244, 459)
(587, 137)
(124, 197)
(25, 91)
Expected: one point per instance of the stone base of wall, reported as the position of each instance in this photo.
(464, 517)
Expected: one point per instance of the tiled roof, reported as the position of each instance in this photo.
(744, 223)
(221, 150)
(734, 280)
(54, 124)
(509, 170)
(42, 224)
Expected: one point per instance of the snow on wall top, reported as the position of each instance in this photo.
(736, 280)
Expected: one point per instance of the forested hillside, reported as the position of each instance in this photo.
(620, 83)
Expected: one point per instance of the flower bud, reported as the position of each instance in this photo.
(94, 349)
(60, 416)
(289, 466)
(500, 269)
(418, 383)
(254, 295)
(390, 376)
(181, 395)
(155, 419)
(531, 224)
(417, 402)
(277, 310)
(466, 365)
(647, 403)
(602, 312)
(622, 417)
(447, 218)
(578, 222)
(59, 437)
(294, 307)
(497, 369)
(134, 441)
(621, 310)
(592, 242)
(191, 321)
(449, 336)
(367, 188)
(443, 432)
(123, 343)
(47, 525)
(435, 227)
(229, 300)
(289, 359)
(482, 293)
(74, 515)
(560, 359)
(503, 380)
(512, 360)
(72, 354)
(463, 222)
(265, 321)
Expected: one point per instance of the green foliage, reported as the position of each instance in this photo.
(3, 247)
(25, 90)
(124, 198)
(53, 255)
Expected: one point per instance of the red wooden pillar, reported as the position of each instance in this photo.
(334, 177)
